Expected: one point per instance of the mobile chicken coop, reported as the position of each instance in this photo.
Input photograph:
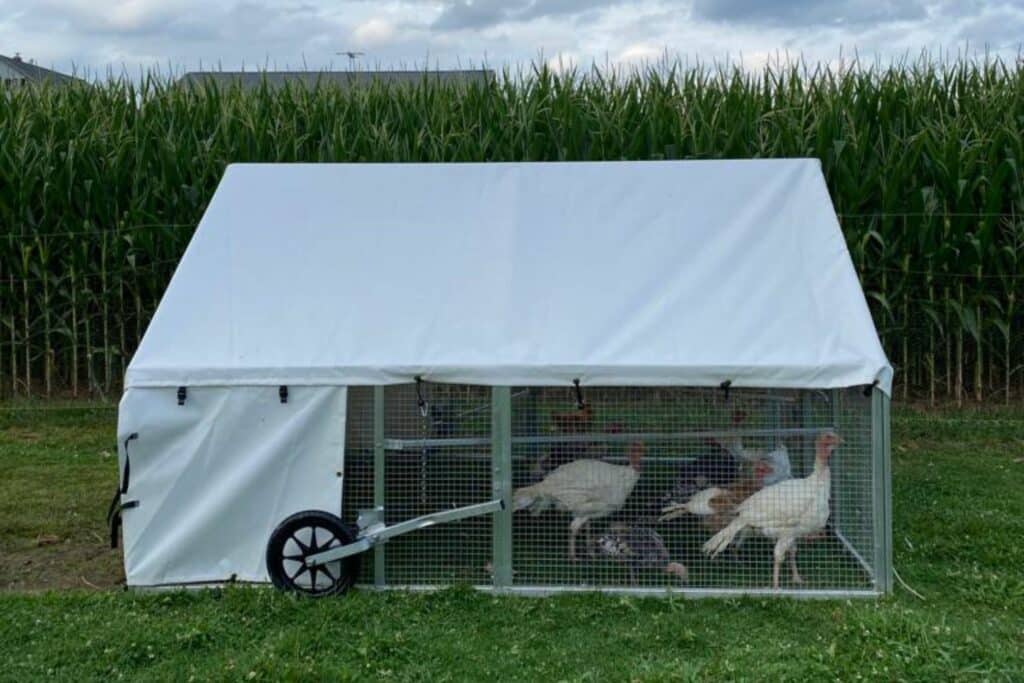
(528, 377)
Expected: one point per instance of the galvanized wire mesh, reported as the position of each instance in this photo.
(357, 487)
(436, 440)
(571, 463)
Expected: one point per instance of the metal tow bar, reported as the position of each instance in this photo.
(372, 529)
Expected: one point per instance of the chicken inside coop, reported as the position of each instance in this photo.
(587, 489)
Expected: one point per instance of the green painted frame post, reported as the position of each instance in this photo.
(379, 575)
(882, 489)
(501, 482)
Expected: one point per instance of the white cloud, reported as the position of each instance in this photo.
(119, 16)
(374, 32)
(641, 52)
(452, 33)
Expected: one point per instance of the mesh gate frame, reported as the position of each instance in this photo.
(878, 567)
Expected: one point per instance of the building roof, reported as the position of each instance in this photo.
(678, 273)
(250, 80)
(17, 69)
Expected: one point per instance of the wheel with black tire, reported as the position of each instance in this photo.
(304, 534)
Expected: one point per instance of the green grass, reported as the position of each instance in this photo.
(959, 507)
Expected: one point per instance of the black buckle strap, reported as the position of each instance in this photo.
(421, 401)
(116, 506)
(114, 515)
(127, 462)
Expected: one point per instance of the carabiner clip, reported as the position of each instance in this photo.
(420, 401)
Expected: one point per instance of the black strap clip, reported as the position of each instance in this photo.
(116, 506)
(182, 394)
(282, 393)
(724, 386)
(420, 400)
(580, 403)
(114, 515)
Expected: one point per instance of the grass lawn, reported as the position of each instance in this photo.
(958, 537)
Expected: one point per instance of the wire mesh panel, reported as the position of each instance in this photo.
(641, 487)
(359, 461)
(627, 488)
(853, 519)
(436, 457)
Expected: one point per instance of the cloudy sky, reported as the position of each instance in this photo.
(183, 34)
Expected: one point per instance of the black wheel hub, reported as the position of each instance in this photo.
(301, 536)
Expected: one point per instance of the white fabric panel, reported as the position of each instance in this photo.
(619, 273)
(215, 476)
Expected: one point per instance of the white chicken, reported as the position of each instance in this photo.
(588, 489)
(786, 511)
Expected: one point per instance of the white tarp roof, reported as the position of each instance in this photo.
(618, 273)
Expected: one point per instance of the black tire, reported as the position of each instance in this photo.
(307, 533)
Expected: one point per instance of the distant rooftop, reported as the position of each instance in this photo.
(15, 70)
(250, 80)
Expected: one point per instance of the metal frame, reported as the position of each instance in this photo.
(881, 489)
(689, 593)
(417, 444)
(379, 556)
(501, 455)
(374, 532)
(500, 444)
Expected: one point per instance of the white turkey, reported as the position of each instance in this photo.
(587, 489)
(787, 511)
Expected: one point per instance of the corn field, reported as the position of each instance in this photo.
(101, 187)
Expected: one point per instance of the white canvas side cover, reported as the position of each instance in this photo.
(215, 476)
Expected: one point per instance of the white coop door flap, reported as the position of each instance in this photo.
(215, 476)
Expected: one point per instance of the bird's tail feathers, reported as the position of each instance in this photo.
(672, 511)
(723, 538)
